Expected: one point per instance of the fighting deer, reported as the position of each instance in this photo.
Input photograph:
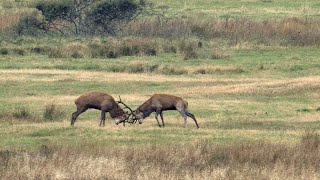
(100, 101)
(163, 102)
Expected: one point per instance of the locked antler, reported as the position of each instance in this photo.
(134, 118)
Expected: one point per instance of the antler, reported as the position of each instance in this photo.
(134, 118)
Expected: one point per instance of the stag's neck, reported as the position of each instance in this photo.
(146, 109)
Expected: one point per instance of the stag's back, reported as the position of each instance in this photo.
(167, 101)
(94, 99)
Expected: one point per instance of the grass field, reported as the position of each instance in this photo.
(257, 105)
(273, 101)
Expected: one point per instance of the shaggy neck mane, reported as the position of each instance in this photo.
(116, 112)
(146, 109)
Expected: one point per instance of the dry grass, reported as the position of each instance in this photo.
(288, 31)
(94, 76)
(198, 160)
(308, 85)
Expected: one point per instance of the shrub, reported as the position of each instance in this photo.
(4, 51)
(109, 15)
(136, 67)
(97, 17)
(218, 70)
(53, 113)
(40, 50)
(19, 51)
(129, 51)
(104, 51)
(219, 54)
(150, 51)
(169, 70)
(76, 55)
(188, 50)
(22, 113)
(76, 50)
(30, 26)
(168, 48)
(55, 53)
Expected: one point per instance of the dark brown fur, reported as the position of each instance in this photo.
(163, 102)
(97, 100)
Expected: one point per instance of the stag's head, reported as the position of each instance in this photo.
(123, 118)
(139, 116)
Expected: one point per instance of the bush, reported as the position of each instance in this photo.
(108, 15)
(169, 70)
(22, 113)
(97, 17)
(187, 49)
(167, 48)
(219, 54)
(53, 113)
(40, 50)
(76, 50)
(55, 53)
(136, 67)
(4, 51)
(19, 51)
(30, 26)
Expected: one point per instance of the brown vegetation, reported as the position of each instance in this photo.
(199, 160)
(289, 31)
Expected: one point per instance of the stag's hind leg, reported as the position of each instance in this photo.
(75, 115)
(194, 118)
(161, 115)
(184, 114)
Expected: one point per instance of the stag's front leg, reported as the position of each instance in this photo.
(156, 116)
(161, 115)
(103, 118)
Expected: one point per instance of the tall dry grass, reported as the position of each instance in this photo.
(198, 160)
(288, 31)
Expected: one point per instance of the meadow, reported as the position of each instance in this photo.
(256, 102)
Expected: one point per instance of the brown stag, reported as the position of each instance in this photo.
(163, 102)
(101, 101)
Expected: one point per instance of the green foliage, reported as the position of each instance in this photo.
(107, 14)
(57, 10)
(30, 26)
(89, 16)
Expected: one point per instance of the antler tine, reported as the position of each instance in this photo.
(120, 99)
